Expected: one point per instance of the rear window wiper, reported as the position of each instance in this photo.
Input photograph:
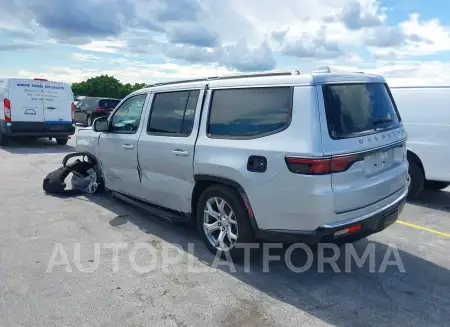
(382, 120)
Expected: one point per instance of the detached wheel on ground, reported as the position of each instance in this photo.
(62, 140)
(223, 221)
(436, 185)
(417, 179)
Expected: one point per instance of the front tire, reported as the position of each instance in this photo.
(62, 140)
(223, 221)
(417, 180)
(436, 185)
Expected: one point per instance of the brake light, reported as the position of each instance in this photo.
(321, 166)
(99, 108)
(308, 166)
(339, 164)
(7, 109)
(72, 107)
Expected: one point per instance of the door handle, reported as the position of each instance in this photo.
(179, 152)
(51, 108)
(128, 146)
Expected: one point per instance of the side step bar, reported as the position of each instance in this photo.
(171, 216)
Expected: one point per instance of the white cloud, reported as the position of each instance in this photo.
(128, 72)
(210, 36)
(414, 73)
(411, 38)
(85, 57)
(104, 46)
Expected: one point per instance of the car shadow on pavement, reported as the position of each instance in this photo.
(439, 200)
(346, 296)
(31, 146)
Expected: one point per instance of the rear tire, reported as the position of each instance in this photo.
(417, 179)
(89, 120)
(4, 139)
(62, 140)
(236, 229)
(436, 185)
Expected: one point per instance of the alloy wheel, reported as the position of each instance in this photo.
(220, 224)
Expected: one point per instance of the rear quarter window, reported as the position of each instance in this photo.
(249, 112)
(108, 103)
(357, 109)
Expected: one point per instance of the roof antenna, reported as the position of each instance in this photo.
(324, 69)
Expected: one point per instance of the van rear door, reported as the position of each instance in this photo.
(27, 108)
(57, 99)
(365, 138)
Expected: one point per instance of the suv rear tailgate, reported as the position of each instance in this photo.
(363, 125)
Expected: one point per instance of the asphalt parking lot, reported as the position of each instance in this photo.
(33, 225)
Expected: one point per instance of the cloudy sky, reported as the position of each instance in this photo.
(408, 41)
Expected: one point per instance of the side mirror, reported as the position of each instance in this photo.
(100, 124)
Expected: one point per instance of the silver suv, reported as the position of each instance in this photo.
(280, 156)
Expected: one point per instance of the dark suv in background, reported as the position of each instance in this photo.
(90, 108)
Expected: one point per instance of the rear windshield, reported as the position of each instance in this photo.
(355, 109)
(108, 103)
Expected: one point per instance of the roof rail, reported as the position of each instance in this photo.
(245, 75)
(326, 69)
(259, 74)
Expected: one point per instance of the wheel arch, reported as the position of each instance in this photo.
(202, 182)
(412, 156)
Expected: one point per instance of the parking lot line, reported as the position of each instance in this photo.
(423, 228)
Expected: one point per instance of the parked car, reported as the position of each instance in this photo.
(426, 118)
(279, 156)
(77, 99)
(90, 108)
(35, 108)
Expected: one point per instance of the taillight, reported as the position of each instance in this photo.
(308, 166)
(99, 108)
(72, 107)
(339, 164)
(7, 109)
(321, 166)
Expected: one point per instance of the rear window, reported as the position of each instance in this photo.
(356, 109)
(250, 112)
(108, 103)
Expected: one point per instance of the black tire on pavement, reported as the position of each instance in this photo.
(62, 140)
(89, 120)
(245, 232)
(4, 139)
(100, 181)
(417, 177)
(436, 185)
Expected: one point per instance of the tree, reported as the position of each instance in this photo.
(105, 86)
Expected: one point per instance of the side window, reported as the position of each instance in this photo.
(126, 119)
(173, 113)
(250, 112)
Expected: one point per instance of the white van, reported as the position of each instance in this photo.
(35, 108)
(426, 116)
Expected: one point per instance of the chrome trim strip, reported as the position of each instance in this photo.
(394, 145)
(366, 216)
(400, 143)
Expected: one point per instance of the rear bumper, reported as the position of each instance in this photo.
(37, 129)
(371, 223)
